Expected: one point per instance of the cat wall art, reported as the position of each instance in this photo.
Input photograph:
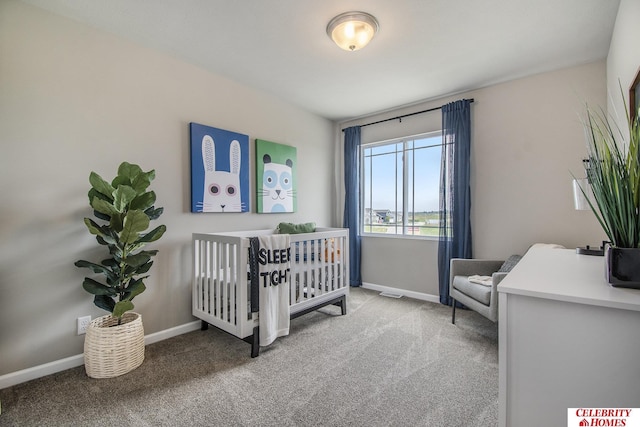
(219, 170)
(276, 166)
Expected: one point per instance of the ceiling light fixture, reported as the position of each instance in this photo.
(352, 30)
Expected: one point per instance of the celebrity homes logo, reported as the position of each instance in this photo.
(603, 417)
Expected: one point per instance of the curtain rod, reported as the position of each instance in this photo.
(404, 115)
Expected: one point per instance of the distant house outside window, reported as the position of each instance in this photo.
(401, 186)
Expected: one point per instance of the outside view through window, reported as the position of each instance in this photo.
(400, 186)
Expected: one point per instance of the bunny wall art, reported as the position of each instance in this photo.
(219, 170)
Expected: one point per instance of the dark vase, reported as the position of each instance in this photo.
(623, 267)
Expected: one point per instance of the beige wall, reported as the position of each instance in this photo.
(526, 139)
(623, 61)
(73, 100)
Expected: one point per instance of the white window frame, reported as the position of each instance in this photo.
(405, 187)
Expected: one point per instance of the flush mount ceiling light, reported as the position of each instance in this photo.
(352, 30)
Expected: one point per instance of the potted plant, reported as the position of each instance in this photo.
(613, 172)
(115, 343)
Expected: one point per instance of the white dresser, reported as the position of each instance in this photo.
(567, 339)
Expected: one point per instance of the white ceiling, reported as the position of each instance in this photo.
(425, 48)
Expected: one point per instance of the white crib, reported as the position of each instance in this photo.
(221, 287)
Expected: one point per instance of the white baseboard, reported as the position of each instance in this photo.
(172, 332)
(39, 371)
(403, 292)
(29, 374)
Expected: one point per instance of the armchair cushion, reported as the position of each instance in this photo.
(478, 292)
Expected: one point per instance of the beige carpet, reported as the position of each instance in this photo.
(388, 362)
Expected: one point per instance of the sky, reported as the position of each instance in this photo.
(386, 164)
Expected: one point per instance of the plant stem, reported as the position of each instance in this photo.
(123, 266)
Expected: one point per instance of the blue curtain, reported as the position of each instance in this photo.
(455, 190)
(352, 200)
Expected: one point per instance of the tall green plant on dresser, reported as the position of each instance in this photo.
(613, 172)
(114, 343)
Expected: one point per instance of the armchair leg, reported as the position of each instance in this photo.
(453, 313)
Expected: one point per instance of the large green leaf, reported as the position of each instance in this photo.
(120, 180)
(95, 193)
(96, 268)
(138, 269)
(140, 256)
(144, 268)
(122, 197)
(101, 216)
(106, 239)
(135, 288)
(103, 233)
(143, 180)
(134, 247)
(100, 184)
(129, 171)
(101, 240)
(104, 302)
(109, 234)
(134, 223)
(130, 271)
(116, 253)
(143, 201)
(122, 307)
(113, 282)
(97, 288)
(154, 234)
(103, 206)
(110, 262)
(152, 252)
(154, 213)
(93, 227)
(137, 260)
(116, 223)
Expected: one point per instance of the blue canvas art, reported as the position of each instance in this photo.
(219, 170)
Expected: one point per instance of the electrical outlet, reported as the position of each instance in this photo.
(83, 324)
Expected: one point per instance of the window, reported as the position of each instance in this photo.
(401, 186)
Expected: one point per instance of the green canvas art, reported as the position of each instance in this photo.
(276, 184)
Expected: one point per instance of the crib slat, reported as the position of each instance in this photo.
(197, 277)
(293, 286)
(230, 283)
(202, 275)
(304, 282)
(330, 259)
(224, 283)
(335, 263)
(345, 262)
(216, 279)
(339, 276)
(207, 277)
(322, 243)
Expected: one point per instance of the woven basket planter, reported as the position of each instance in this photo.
(110, 349)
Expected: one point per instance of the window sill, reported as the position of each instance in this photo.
(399, 236)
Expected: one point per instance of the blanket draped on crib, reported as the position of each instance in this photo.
(270, 273)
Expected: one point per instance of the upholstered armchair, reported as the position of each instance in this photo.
(480, 293)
